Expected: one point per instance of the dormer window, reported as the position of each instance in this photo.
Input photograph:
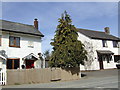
(104, 42)
(14, 41)
(115, 44)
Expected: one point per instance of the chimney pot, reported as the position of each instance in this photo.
(35, 23)
(107, 30)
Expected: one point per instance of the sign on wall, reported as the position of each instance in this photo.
(30, 44)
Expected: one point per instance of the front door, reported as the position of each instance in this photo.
(100, 59)
(101, 64)
(13, 63)
(29, 64)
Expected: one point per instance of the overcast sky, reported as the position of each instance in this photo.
(87, 15)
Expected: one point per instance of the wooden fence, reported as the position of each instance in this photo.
(46, 75)
(3, 77)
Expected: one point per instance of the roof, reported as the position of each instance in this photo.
(31, 56)
(98, 34)
(19, 28)
(2, 57)
(105, 52)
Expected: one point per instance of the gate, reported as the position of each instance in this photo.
(3, 76)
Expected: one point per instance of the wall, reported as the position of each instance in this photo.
(97, 45)
(88, 43)
(70, 74)
(46, 75)
(24, 50)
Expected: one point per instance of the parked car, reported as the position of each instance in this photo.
(118, 64)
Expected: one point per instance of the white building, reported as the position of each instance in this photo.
(20, 44)
(102, 48)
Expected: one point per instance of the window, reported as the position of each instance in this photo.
(116, 58)
(0, 40)
(13, 63)
(107, 57)
(14, 41)
(104, 43)
(115, 44)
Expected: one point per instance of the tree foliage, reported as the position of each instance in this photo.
(46, 55)
(67, 50)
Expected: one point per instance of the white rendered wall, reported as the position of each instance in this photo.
(84, 39)
(97, 45)
(24, 50)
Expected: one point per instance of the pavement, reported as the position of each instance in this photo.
(91, 79)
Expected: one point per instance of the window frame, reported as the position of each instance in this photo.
(14, 42)
(104, 43)
(116, 58)
(12, 63)
(115, 44)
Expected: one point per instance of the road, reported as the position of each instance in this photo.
(92, 79)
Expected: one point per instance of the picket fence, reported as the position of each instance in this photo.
(3, 77)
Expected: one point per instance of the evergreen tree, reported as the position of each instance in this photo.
(67, 50)
(46, 55)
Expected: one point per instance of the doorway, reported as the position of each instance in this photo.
(101, 64)
(29, 64)
(100, 59)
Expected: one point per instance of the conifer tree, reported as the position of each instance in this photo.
(67, 50)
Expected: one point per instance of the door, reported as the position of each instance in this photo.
(100, 59)
(13, 63)
(101, 64)
(29, 64)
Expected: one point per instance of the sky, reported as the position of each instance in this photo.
(86, 15)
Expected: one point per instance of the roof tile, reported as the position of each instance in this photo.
(97, 34)
(19, 27)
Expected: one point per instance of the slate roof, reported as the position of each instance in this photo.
(2, 57)
(98, 35)
(105, 52)
(19, 28)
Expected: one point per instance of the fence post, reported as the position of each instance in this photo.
(3, 77)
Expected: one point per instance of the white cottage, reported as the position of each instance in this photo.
(102, 48)
(20, 44)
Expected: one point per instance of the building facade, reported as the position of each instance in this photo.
(20, 44)
(102, 48)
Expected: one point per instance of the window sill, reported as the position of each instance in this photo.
(15, 46)
(116, 47)
(105, 46)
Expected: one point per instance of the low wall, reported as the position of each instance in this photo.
(70, 74)
(46, 75)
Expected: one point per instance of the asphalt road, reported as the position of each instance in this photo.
(92, 79)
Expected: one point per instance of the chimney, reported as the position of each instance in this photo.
(107, 30)
(36, 23)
